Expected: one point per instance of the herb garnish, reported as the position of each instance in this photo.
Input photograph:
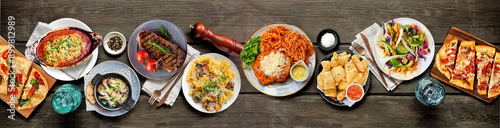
(163, 49)
(164, 33)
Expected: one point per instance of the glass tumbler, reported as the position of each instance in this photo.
(429, 92)
(67, 99)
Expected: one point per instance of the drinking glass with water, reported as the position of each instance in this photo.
(67, 99)
(429, 92)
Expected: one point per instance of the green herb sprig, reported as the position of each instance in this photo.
(164, 33)
(163, 49)
(250, 51)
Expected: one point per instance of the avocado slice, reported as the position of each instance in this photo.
(387, 47)
(409, 64)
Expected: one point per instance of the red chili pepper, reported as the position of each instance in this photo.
(33, 90)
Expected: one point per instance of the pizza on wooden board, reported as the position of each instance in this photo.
(34, 91)
(484, 59)
(4, 65)
(495, 78)
(446, 57)
(465, 68)
(21, 66)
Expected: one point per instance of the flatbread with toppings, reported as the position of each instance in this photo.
(34, 91)
(445, 58)
(465, 67)
(484, 59)
(494, 85)
(4, 71)
(21, 66)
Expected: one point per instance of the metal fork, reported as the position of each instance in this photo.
(362, 52)
(157, 93)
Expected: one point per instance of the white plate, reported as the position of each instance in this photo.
(289, 86)
(423, 64)
(58, 74)
(236, 80)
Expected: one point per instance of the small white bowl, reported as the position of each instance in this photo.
(349, 102)
(109, 36)
(299, 63)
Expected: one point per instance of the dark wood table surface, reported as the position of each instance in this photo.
(239, 19)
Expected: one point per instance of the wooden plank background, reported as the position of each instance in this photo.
(238, 19)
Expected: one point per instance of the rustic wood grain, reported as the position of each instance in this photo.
(259, 110)
(238, 19)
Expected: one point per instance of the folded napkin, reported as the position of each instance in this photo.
(87, 78)
(40, 30)
(370, 33)
(151, 85)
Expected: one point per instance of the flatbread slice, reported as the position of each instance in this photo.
(465, 67)
(484, 59)
(494, 85)
(445, 58)
(34, 91)
(4, 71)
(21, 66)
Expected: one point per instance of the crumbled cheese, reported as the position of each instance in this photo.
(327, 40)
(272, 64)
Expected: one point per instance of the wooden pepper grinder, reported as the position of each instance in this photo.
(223, 43)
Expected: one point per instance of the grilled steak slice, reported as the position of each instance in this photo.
(168, 62)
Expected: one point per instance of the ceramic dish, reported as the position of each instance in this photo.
(285, 88)
(86, 66)
(322, 93)
(97, 80)
(176, 37)
(236, 80)
(135, 87)
(423, 63)
(106, 41)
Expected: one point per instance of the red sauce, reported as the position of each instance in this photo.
(355, 92)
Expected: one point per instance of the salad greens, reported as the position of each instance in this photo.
(250, 51)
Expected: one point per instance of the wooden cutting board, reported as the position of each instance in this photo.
(50, 82)
(462, 36)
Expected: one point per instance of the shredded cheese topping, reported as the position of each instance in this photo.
(272, 64)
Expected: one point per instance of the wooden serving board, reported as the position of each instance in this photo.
(50, 82)
(462, 36)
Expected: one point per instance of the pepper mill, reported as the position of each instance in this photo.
(223, 43)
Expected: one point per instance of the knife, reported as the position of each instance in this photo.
(365, 40)
(175, 82)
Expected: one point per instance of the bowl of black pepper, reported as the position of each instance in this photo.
(114, 43)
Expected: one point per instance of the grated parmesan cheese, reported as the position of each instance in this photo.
(327, 40)
(272, 64)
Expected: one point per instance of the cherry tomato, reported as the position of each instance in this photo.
(19, 78)
(142, 56)
(37, 77)
(5, 54)
(152, 65)
(13, 91)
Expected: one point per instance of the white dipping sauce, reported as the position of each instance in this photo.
(327, 40)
